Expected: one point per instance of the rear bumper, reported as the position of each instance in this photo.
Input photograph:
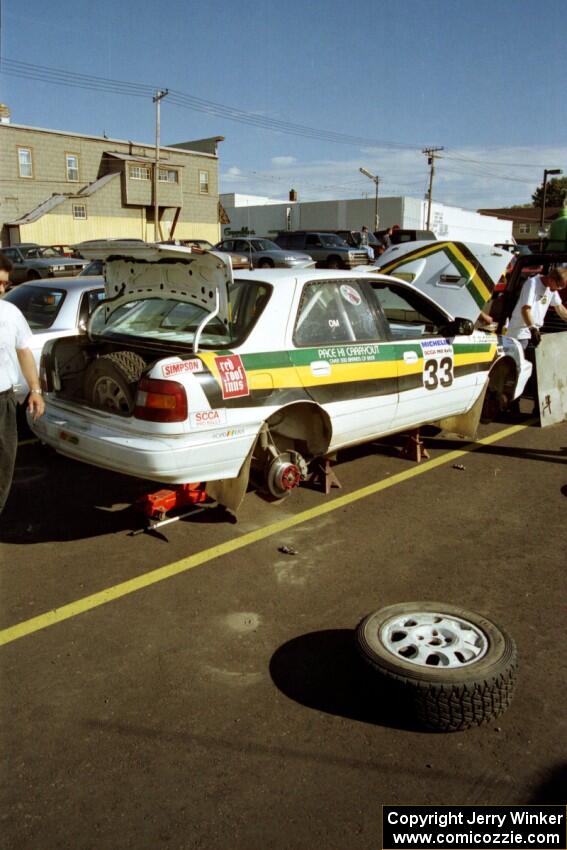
(183, 459)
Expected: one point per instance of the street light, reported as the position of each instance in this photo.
(376, 181)
(542, 231)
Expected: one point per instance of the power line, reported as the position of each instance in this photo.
(183, 100)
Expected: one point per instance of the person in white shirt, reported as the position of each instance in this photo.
(538, 294)
(15, 336)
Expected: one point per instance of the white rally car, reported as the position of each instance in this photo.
(188, 375)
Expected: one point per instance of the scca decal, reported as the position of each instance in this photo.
(184, 366)
(207, 418)
(233, 376)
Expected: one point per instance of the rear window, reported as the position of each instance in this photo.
(39, 304)
(168, 320)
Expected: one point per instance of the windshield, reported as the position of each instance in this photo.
(169, 320)
(333, 239)
(39, 304)
(48, 253)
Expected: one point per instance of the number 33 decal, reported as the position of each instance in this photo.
(437, 372)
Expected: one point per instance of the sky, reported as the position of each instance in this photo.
(320, 88)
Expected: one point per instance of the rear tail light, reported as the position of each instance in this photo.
(161, 401)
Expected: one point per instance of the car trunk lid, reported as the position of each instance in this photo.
(135, 271)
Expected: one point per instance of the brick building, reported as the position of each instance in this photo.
(58, 187)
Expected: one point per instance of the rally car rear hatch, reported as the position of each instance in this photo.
(137, 270)
(458, 276)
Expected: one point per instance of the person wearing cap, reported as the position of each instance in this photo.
(15, 336)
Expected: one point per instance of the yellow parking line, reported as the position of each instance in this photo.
(28, 442)
(87, 603)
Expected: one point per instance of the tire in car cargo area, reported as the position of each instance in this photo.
(111, 381)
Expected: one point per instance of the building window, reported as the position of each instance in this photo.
(525, 229)
(72, 165)
(139, 172)
(168, 175)
(204, 182)
(80, 211)
(25, 162)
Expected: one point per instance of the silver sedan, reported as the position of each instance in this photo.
(265, 254)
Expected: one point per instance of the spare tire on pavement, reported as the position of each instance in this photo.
(449, 668)
(111, 381)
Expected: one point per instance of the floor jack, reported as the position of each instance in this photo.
(155, 506)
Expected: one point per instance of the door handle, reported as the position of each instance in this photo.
(320, 368)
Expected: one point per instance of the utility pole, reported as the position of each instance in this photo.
(376, 181)
(430, 153)
(542, 232)
(157, 99)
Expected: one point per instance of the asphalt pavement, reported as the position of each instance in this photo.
(198, 688)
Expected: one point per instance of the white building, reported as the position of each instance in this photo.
(265, 217)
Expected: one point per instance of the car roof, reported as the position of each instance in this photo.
(84, 282)
(281, 277)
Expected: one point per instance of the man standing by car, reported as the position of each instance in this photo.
(538, 294)
(15, 336)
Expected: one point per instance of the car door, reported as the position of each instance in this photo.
(439, 375)
(344, 359)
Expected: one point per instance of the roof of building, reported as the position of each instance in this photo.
(522, 214)
(104, 138)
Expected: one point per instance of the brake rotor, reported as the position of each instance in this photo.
(283, 475)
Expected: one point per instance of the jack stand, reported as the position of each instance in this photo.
(325, 476)
(414, 448)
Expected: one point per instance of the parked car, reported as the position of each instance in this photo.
(265, 254)
(55, 309)
(188, 375)
(66, 251)
(239, 261)
(404, 234)
(353, 238)
(327, 249)
(32, 262)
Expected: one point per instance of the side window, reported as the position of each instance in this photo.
(332, 312)
(407, 314)
(312, 239)
(12, 254)
(227, 245)
(242, 245)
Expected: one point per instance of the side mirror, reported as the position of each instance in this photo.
(458, 327)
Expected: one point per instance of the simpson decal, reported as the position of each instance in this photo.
(178, 368)
(207, 418)
(233, 376)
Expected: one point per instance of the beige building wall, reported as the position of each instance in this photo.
(121, 208)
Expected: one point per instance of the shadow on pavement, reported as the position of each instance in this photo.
(55, 499)
(323, 671)
(552, 789)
